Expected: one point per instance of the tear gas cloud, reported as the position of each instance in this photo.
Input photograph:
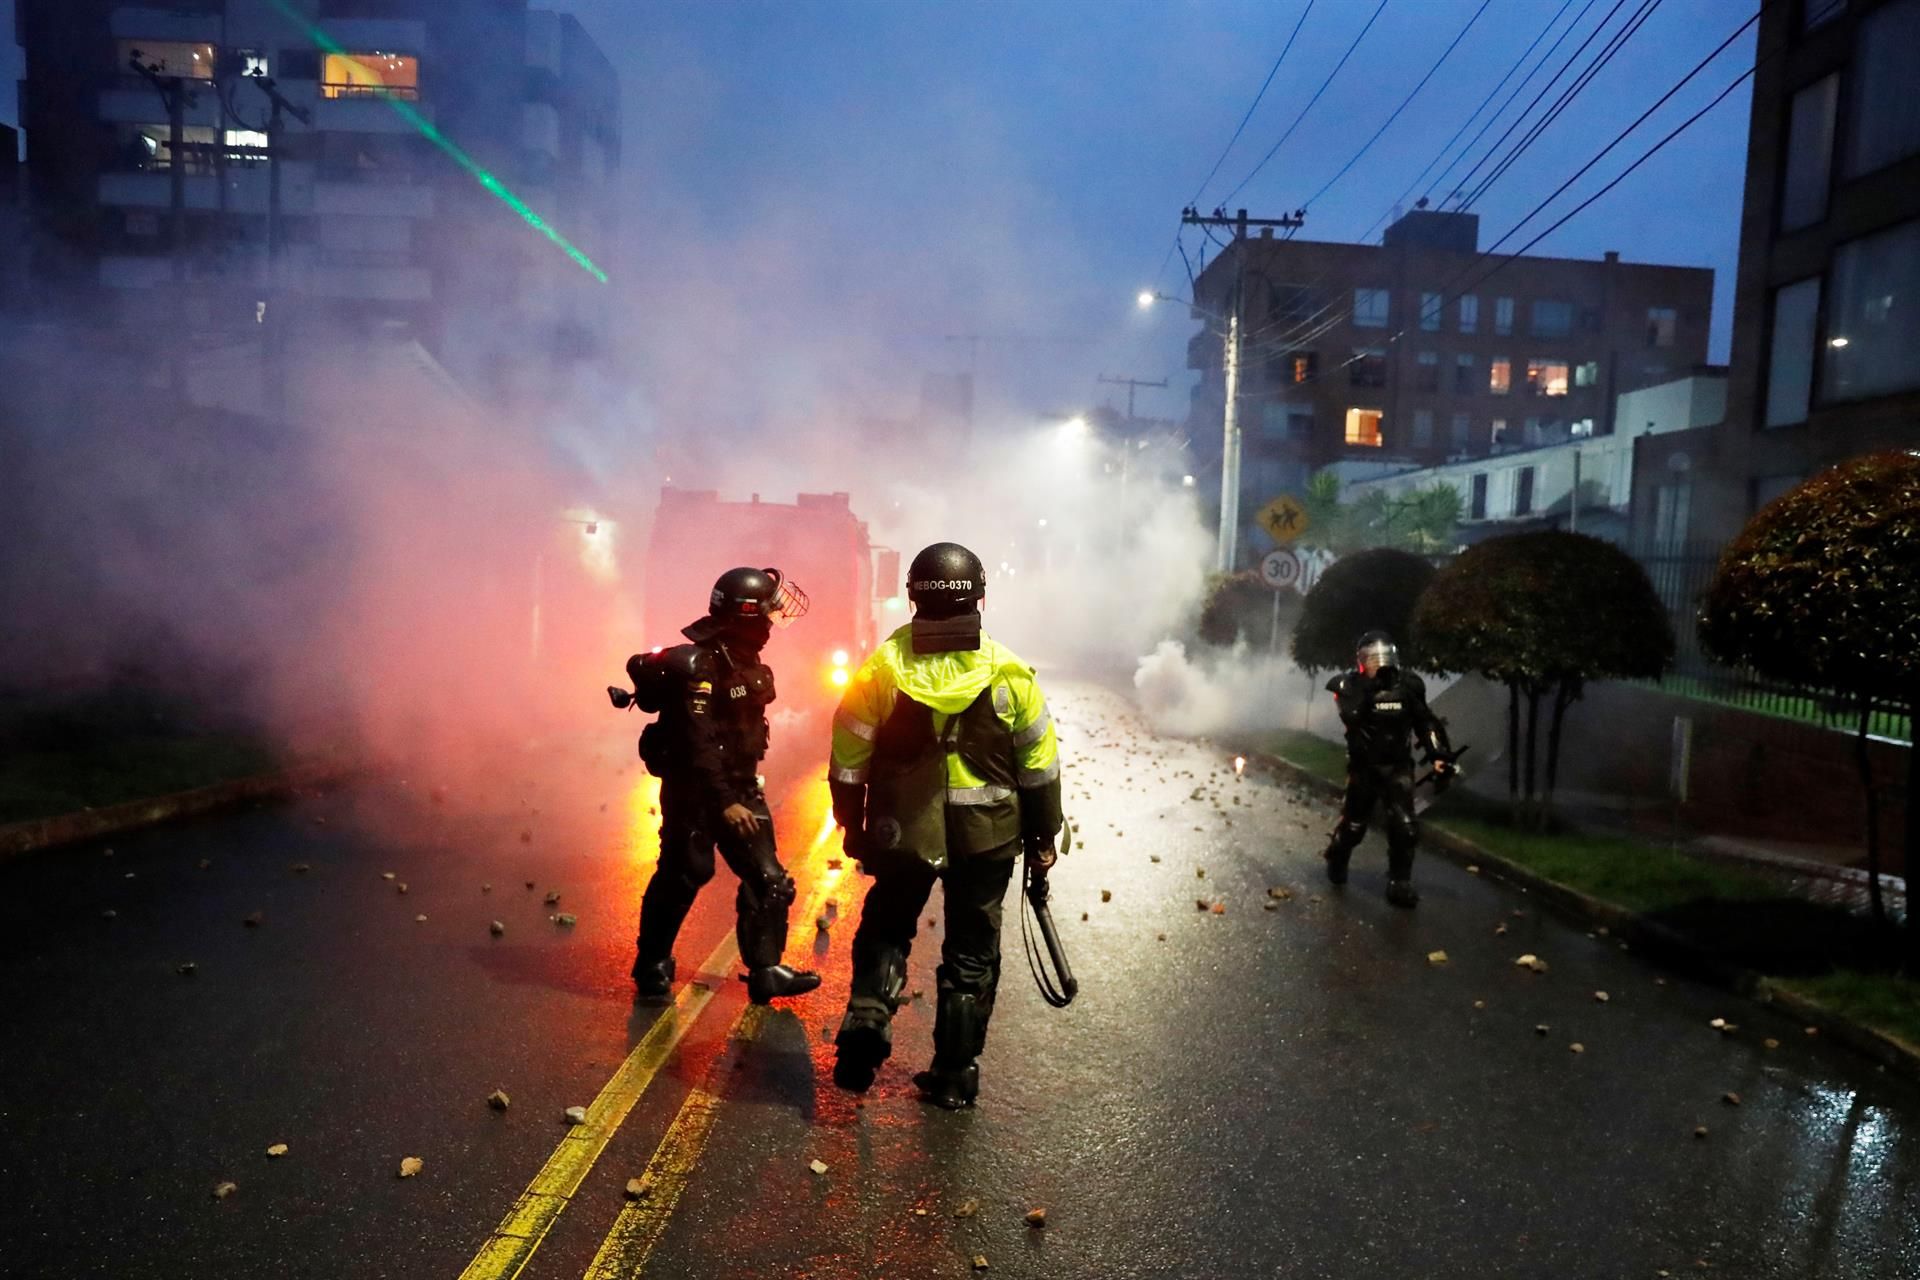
(405, 565)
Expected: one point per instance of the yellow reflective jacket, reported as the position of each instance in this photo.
(1026, 792)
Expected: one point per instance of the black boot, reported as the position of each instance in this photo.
(653, 979)
(866, 1033)
(774, 981)
(1400, 890)
(860, 1048)
(953, 1090)
(959, 1027)
(1337, 859)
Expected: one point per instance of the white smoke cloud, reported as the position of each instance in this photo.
(1214, 692)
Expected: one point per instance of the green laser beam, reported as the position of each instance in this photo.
(408, 112)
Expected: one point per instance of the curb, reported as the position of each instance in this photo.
(1666, 945)
(68, 828)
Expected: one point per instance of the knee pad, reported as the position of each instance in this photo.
(1402, 832)
(1348, 835)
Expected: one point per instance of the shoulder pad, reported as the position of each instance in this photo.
(689, 661)
(1413, 683)
(1339, 683)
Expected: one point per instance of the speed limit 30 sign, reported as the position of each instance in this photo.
(1280, 569)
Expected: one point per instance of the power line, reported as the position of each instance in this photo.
(1271, 72)
(1468, 122)
(1545, 89)
(1518, 89)
(1451, 294)
(1310, 101)
(1634, 22)
(1622, 136)
(1404, 103)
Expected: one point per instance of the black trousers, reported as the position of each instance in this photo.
(1388, 788)
(974, 889)
(690, 830)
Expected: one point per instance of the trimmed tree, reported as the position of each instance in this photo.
(1355, 595)
(1823, 588)
(1542, 613)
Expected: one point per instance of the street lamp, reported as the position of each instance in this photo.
(1227, 546)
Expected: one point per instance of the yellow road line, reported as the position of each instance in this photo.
(643, 1221)
(508, 1250)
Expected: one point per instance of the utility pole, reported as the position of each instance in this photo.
(1131, 384)
(1228, 549)
(176, 97)
(275, 319)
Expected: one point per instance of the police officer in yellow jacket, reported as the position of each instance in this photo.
(945, 768)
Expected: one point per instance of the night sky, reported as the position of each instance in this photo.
(818, 193)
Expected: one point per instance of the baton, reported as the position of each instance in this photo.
(1059, 987)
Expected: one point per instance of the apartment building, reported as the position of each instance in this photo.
(179, 197)
(1826, 333)
(1413, 351)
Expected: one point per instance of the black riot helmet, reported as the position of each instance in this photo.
(1375, 652)
(945, 579)
(743, 595)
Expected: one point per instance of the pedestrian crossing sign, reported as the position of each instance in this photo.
(1284, 519)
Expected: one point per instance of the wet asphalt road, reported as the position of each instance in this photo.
(1287, 1092)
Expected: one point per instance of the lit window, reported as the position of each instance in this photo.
(1873, 316)
(1587, 374)
(169, 57)
(1469, 314)
(1430, 312)
(253, 63)
(1882, 123)
(1304, 366)
(1500, 376)
(1363, 427)
(375, 75)
(1426, 371)
(149, 147)
(1370, 308)
(1463, 379)
(1547, 377)
(1503, 316)
(1498, 432)
(1552, 319)
(1662, 322)
(1803, 183)
(1422, 428)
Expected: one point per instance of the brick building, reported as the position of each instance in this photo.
(1826, 331)
(1403, 351)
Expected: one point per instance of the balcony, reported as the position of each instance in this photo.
(153, 189)
(373, 199)
(370, 284)
(368, 114)
(130, 22)
(141, 105)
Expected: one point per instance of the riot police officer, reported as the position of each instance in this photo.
(945, 769)
(706, 748)
(1384, 708)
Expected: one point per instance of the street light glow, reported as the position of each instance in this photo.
(1186, 481)
(1146, 298)
(1838, 342)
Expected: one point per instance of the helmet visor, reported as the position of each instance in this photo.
(1378, 655)
(789, 603)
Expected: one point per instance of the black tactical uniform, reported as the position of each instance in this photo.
(706, 749)
(1384, 709)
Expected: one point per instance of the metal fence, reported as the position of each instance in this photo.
(1681, 577)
